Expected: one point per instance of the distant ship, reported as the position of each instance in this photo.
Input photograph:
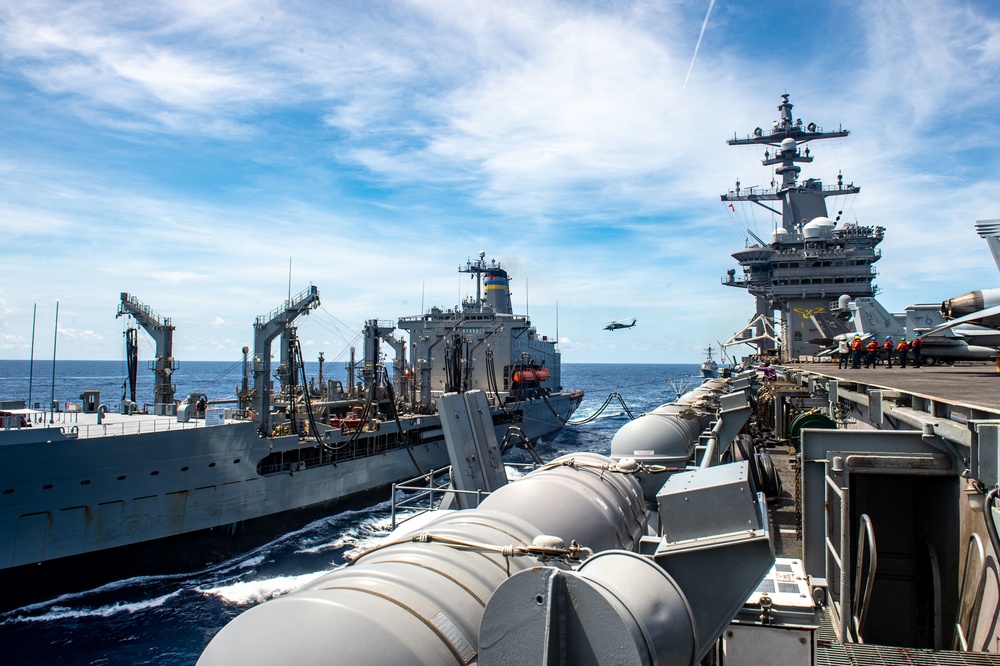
(85, 487)
(709, 368)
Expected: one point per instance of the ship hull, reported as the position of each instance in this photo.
(171, 555)
(65, 499)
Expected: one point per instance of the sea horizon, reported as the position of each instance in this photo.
(219, 380)
(328, 362)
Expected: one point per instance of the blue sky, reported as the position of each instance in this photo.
(187, 152)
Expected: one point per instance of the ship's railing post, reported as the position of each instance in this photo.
(392, 519)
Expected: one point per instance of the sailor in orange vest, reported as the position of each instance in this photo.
(856, 352)
(888, 351)
(915, 348)
(902, 348)
(872, 349)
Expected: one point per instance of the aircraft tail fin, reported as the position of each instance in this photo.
(990, 230)
(870, 318)
(925, 317)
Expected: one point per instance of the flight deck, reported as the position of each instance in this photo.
(972, 384)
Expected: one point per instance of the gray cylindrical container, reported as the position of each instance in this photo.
(407, 603)
(581, 502)
(421, 603)
(618, 608)
(668, 434)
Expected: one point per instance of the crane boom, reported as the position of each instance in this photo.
(162, 331)
(266, 329)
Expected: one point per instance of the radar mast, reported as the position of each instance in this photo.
(810, 261)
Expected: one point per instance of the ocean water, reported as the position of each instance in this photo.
(169, 619)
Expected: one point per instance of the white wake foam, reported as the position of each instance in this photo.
(62, 612)
(258, 591)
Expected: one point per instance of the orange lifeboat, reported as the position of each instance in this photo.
(532, 375)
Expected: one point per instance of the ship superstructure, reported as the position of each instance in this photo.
(810, 260)
(480, 344)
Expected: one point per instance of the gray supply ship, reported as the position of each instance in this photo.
(94, 490)
(882, 484)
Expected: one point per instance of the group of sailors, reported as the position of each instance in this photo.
(857, 352)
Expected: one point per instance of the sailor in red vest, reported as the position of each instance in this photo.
(888, 351)
(902, 348)
(915, 348)
(872, 355)
(856, 352)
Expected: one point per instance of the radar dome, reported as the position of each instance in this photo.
(788, 145)
(819, 227)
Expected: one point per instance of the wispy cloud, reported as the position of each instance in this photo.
(701, 35)
(184, 151)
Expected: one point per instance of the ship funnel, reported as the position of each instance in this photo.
(496, 284)
(494, 280)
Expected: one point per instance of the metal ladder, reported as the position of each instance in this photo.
(851, 612)
(866, 535)
(964, 634)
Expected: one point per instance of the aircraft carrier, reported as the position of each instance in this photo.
(96, 491)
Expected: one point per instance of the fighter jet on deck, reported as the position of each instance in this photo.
(871, 320)
(982, 306)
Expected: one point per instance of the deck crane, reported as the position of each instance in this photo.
(160, 329)
(266, 329)
(375, 332)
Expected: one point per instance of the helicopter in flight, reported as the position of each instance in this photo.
(619, 323)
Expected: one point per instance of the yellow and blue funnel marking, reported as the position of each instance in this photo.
(495, 281)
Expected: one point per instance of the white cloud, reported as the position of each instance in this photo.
(184, 152)
(85, 336)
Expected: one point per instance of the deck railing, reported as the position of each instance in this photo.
(428, 490)
(69, 424)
